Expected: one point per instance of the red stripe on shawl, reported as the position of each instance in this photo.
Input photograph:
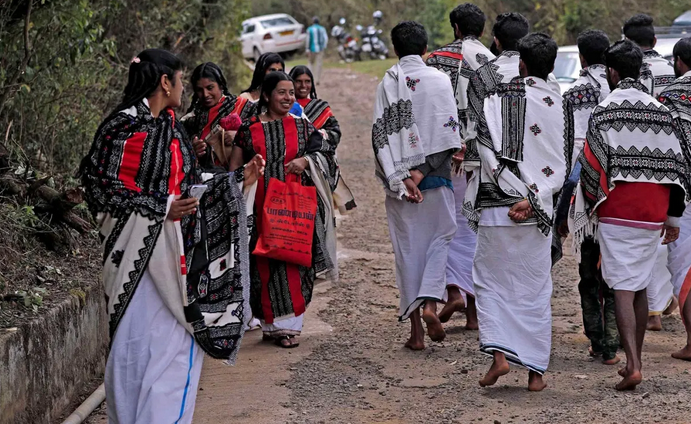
(294, 281)
(322, 118)
(131, 160)
(447, 54)
(240, 104)
(592, 160)
(213, 113)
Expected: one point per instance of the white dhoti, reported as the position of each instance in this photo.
(513, 288)
(459, 269)
(660, 290)
(679, 259)
(420, 235)
(628, 254)
(154, 365)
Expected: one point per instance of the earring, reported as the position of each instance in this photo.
(168, 93)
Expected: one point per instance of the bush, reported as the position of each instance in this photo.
(64, 64)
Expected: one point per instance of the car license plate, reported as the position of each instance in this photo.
(284, 33)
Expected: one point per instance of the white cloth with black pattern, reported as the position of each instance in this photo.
(415, 116)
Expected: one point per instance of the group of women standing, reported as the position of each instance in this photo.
(179, 206)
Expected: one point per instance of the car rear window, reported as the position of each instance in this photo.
(276, 22)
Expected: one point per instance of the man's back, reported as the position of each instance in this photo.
(656, 73)
(316, 38)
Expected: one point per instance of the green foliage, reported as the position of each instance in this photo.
(55, 89)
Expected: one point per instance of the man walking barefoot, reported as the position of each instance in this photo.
(414, 136)
(631, 157)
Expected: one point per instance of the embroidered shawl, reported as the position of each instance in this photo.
(320, 115)
(677, 98)
(631, 138)
(525, 151)
(487, 79)
(656, 73)
(136, 166)
(414, 116)
(589, 90)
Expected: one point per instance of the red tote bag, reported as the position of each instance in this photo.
(287, 222)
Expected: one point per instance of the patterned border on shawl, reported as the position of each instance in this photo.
(397, 117)
(513, 105)
(633, 116)
(135, 277)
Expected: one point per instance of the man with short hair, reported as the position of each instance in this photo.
(315, 44)
(677, 97)
(597, 299)
(414, 136)
(633, 186)
(656, 74)
(525, 146)
(459, 60)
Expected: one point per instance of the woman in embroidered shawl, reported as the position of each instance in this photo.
(280, 291)
(175, 268)
(320, 115)
(212, 102)
(268, 62)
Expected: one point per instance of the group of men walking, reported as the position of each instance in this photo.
(487, 167)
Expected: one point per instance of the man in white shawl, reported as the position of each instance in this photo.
(460, 60)
(631, 157)
(677, 97)
(597, 299)
(656, 74)
(525, 146)
(414, 136)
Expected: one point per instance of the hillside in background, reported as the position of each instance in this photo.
(563, 19)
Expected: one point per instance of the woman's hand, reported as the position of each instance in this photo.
(413, 194)
(253, 170)
(297, 166)
(182, 207)
(199, 147)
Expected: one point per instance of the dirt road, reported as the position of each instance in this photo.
(352, 368)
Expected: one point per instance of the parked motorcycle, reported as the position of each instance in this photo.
(348, 48)
(372, 44)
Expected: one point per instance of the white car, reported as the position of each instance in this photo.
(278, 33)
(567, 67)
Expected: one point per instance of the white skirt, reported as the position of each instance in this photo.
(660, 290)
(459, 269)
(154, 365)
(420, 234)
(513, 288)
(679, 258)
(628, 256)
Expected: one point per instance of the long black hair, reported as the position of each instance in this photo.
(304, 70)
(264, 61)
(210, 71)
(146, 70)
(268, 86)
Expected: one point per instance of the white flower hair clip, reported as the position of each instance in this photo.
(135, 60)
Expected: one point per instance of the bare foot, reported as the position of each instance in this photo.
(613, 361)
(498, 368)
(592, 353)
(434, 328)
(450, 308)
(415, 344)
(633, 379)
(683, 354)
(535, 382)
(672, 306)
(654, 323)
(623, 372)
(471, 324)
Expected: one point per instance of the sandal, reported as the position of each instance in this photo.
(267, 338)
(286, 342)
